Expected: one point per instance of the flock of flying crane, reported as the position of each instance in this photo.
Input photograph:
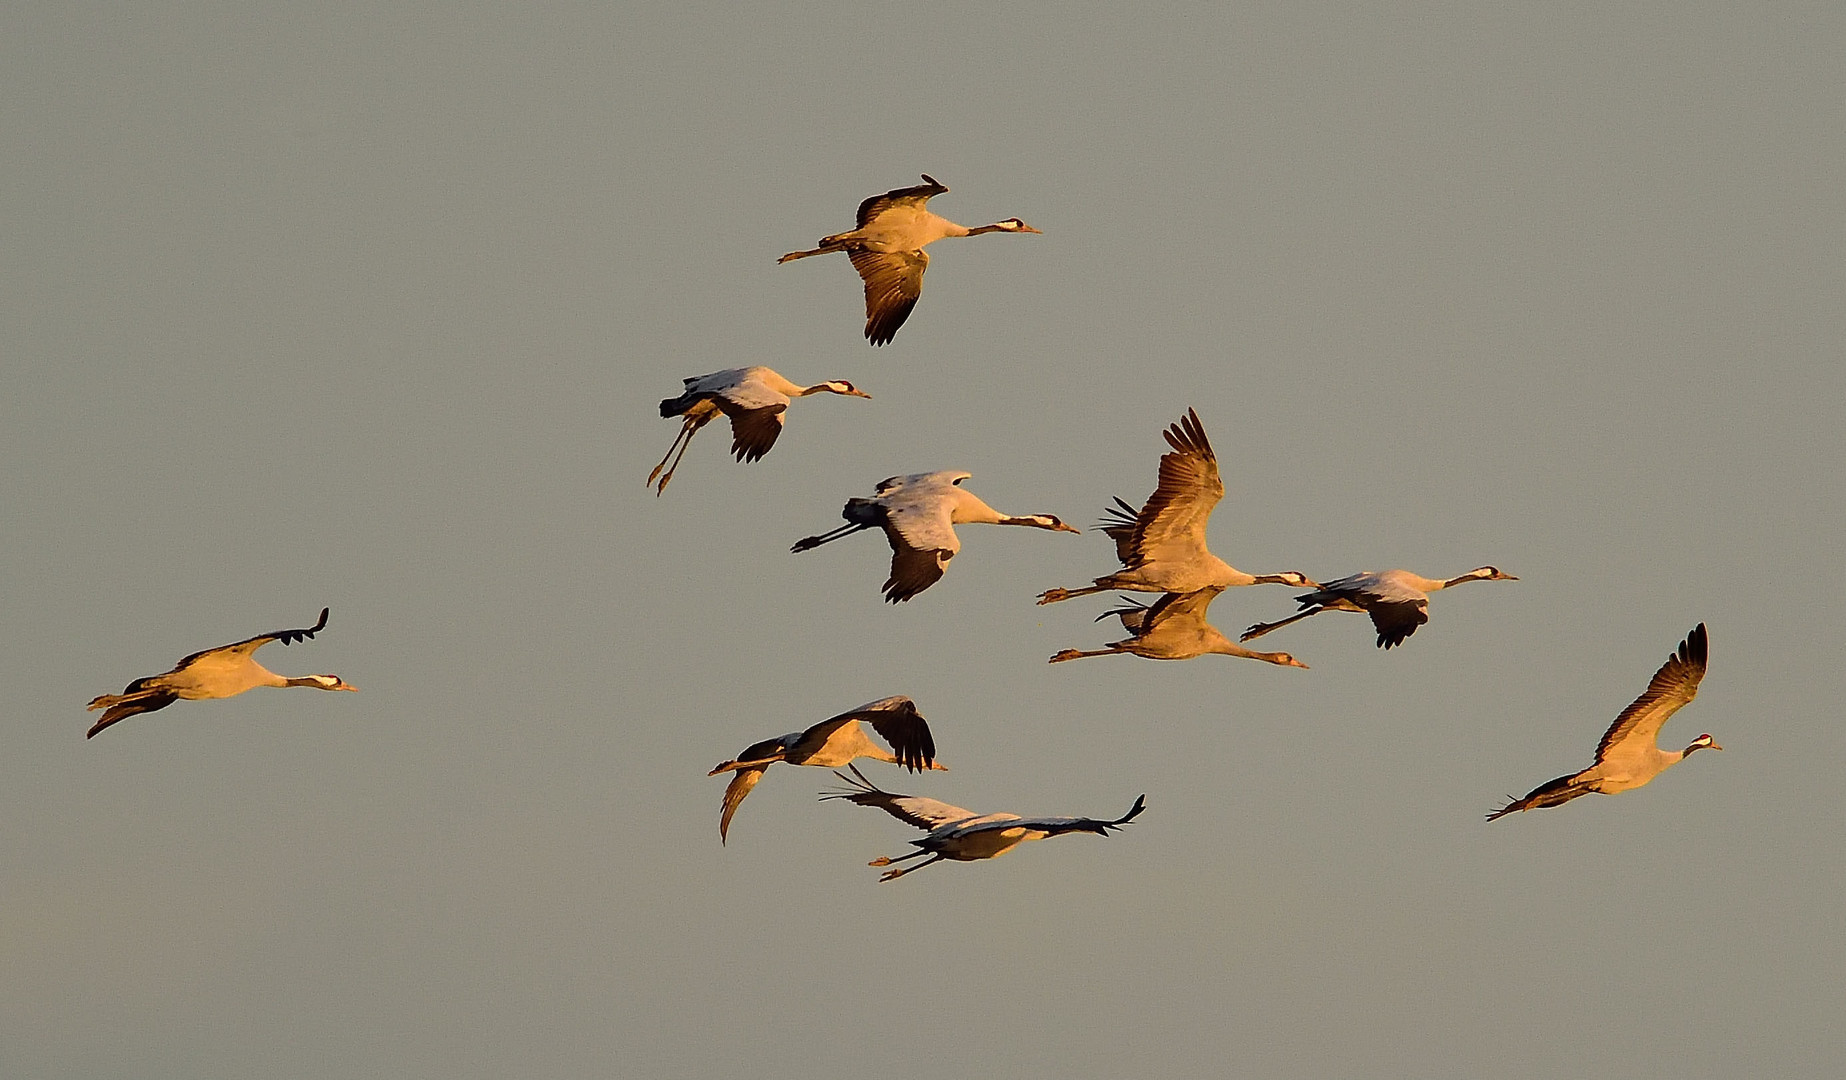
(1161, 548)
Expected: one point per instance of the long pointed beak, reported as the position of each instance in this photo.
(1715, 746)
(1028, 228)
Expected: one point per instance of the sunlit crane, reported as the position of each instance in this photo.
(833, 742)
(1628, 756)
(1162, 545)
(887, 250)
(223, 672)
(918, 514)
(753, 397)
(1397, 601)
(963, 835)
(1174, 628)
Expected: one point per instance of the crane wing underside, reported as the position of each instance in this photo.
(754, 431)
(1672, 687)
(893, 282)
(250, 645)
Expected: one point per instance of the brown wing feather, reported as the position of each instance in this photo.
(919, 196)
(1675, 684)
(908, 733)
(734, 793)
(893, 281)
(1189, 489)
(1118, 523)
(913, 570)
(250, 645)
(754, 431)
(1397, 619)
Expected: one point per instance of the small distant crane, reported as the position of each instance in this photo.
(1397, 601)
(1174, 628)
(918, 514)
(753, 397)
(963, 835)
(831, 743)
(1628, 756)
(223, 672)
(887, 250)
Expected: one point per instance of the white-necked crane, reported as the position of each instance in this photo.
(1174, 628)
(918, 514)
(963, 835)
(887, 250)
(833, 742)
(1162, 545)
(753, 397)
(1397, 600)
(1628, 756)
(223, 672)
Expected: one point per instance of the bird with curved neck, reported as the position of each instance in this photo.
(1397, 600)
(1628, 755)
(223, 672)
(918, 514)
(833, 742)
(753, 397)
(1174, 628)
(1162, 545)
(887, 251)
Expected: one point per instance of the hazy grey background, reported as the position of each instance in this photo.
(369, 306)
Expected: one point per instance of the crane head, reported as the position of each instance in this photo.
(841, 386)
(1013, 224)
(1702, 742)
(1491, 573)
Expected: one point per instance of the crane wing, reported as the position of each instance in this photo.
(1397, 619)
(1171, 526)
(1057, 826)
(893, 281)
(754, 431)
(734, 793)
(250, 645)
(901, 725)
(1118, 523)
(1672, 687)
(909, 809)
(1192, 605)
(922, 541)
(896, 719)
(917, 197)
(1133, 614)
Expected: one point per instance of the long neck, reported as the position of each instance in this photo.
(304, 680)
(815, 389)
(980, 230)
(1450, 583)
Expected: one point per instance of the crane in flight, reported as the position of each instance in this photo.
(1173, 628)
(963, 835)
(831, 743)
(1628, 755)
(1397, 601)
(223, 672)
(753, 397)
(887, 250)
(918, 514)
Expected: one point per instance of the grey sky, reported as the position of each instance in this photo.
(307, 305)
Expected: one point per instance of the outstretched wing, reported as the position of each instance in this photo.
(1675, 684)
(754, 431)
(1057, 826)
(1171, 606)
(909, 809)
(893, 281)
(922, 541)
(734, 793)
(916, 197)
(1171, 526)
(250, 645)
(897, 720)
(1397, 619)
